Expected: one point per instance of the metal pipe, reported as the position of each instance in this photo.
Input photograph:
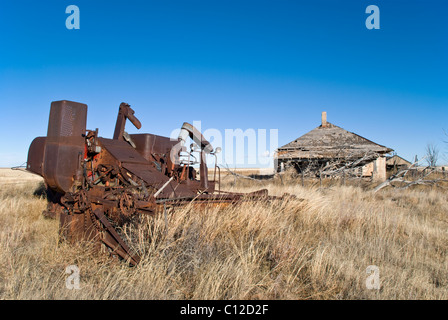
(163, 187)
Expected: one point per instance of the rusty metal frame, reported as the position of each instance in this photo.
(95, 185)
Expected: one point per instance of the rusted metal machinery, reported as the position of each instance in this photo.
(95, 185)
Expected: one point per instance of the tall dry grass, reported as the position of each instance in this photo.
(315, 248)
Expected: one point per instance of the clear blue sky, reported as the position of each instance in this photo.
(231, 64)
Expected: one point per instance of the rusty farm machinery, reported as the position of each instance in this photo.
(95, 185)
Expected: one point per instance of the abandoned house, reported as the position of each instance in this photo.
(329, 151)
(396, 163)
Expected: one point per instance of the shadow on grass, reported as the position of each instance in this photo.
(40, 191)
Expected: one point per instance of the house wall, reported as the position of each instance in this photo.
(379, 169)
(375, 169)
(367, 170)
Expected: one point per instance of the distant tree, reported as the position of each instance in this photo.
(432, 154)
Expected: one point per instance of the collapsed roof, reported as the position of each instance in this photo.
(329, 141)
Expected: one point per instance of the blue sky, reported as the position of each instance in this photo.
(230, 64)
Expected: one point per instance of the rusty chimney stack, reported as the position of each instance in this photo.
(324, 119)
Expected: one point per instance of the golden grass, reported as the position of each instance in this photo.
(318, 248)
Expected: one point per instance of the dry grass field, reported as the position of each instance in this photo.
(315, 248)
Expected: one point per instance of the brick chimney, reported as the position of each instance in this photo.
(324, 119)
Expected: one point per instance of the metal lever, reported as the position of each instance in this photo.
(124, 112)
